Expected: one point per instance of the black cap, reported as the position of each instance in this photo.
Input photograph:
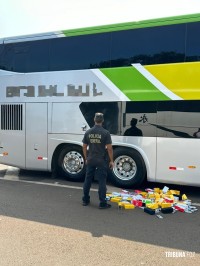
(98, 118)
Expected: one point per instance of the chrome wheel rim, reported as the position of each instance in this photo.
(125, 168)
(73, 162)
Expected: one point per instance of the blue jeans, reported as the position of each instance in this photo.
(101, 173)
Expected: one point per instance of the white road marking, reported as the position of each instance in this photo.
(12, 174)
(56, 184)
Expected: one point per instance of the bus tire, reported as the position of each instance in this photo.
(129, 168)
(71, 163)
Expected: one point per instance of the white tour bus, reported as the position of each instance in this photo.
(145, 78)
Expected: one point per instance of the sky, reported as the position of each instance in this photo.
(21, 17)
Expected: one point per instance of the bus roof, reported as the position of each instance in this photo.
(106, 28)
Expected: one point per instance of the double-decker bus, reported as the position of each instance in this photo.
(143, 76)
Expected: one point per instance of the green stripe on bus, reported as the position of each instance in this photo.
(133, 84)
(133, 25)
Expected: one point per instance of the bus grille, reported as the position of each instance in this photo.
(11, 116)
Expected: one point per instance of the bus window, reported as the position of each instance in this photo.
(156, 45)
(178, 119)
(80, 52)
(139, 119)
(21, 56)
(192, 42)
(1, 57)
(109, 109)
(8, 57)
(26, 56)
(39, 56)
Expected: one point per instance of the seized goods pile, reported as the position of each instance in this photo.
(153, 201)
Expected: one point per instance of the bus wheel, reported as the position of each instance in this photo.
(129, 168)
(71, 163)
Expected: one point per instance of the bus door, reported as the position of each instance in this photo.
(36, 136)
(177, 147)
(139, 130)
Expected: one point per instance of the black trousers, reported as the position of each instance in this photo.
(101, 173)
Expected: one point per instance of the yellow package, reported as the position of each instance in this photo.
(129, 198)
(160, 202)
(165, 205)
(116, 199)
(144, 194)
(151, 196)
(129, 206)
(152, 205)
(184, 197)
(175, 192)
(168, 192)
(157, 195)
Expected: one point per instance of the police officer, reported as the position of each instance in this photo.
(97, 157)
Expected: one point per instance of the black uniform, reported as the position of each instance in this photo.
(97, 160)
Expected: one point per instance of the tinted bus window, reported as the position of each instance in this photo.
(157, 45)
(139, 119)
(27, 56)
(111, 111)
(39, 56)
(178, 119)
(80, 52)
(21, 57)
(8, 57)
(1, 57)
(193, 42)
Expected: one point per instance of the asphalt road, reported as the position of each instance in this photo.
(42, 222)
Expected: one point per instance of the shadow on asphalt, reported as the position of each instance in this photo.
(61, 206)
(47, 177)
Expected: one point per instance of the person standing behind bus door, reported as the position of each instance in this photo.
(100, 150)
(133, 130)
